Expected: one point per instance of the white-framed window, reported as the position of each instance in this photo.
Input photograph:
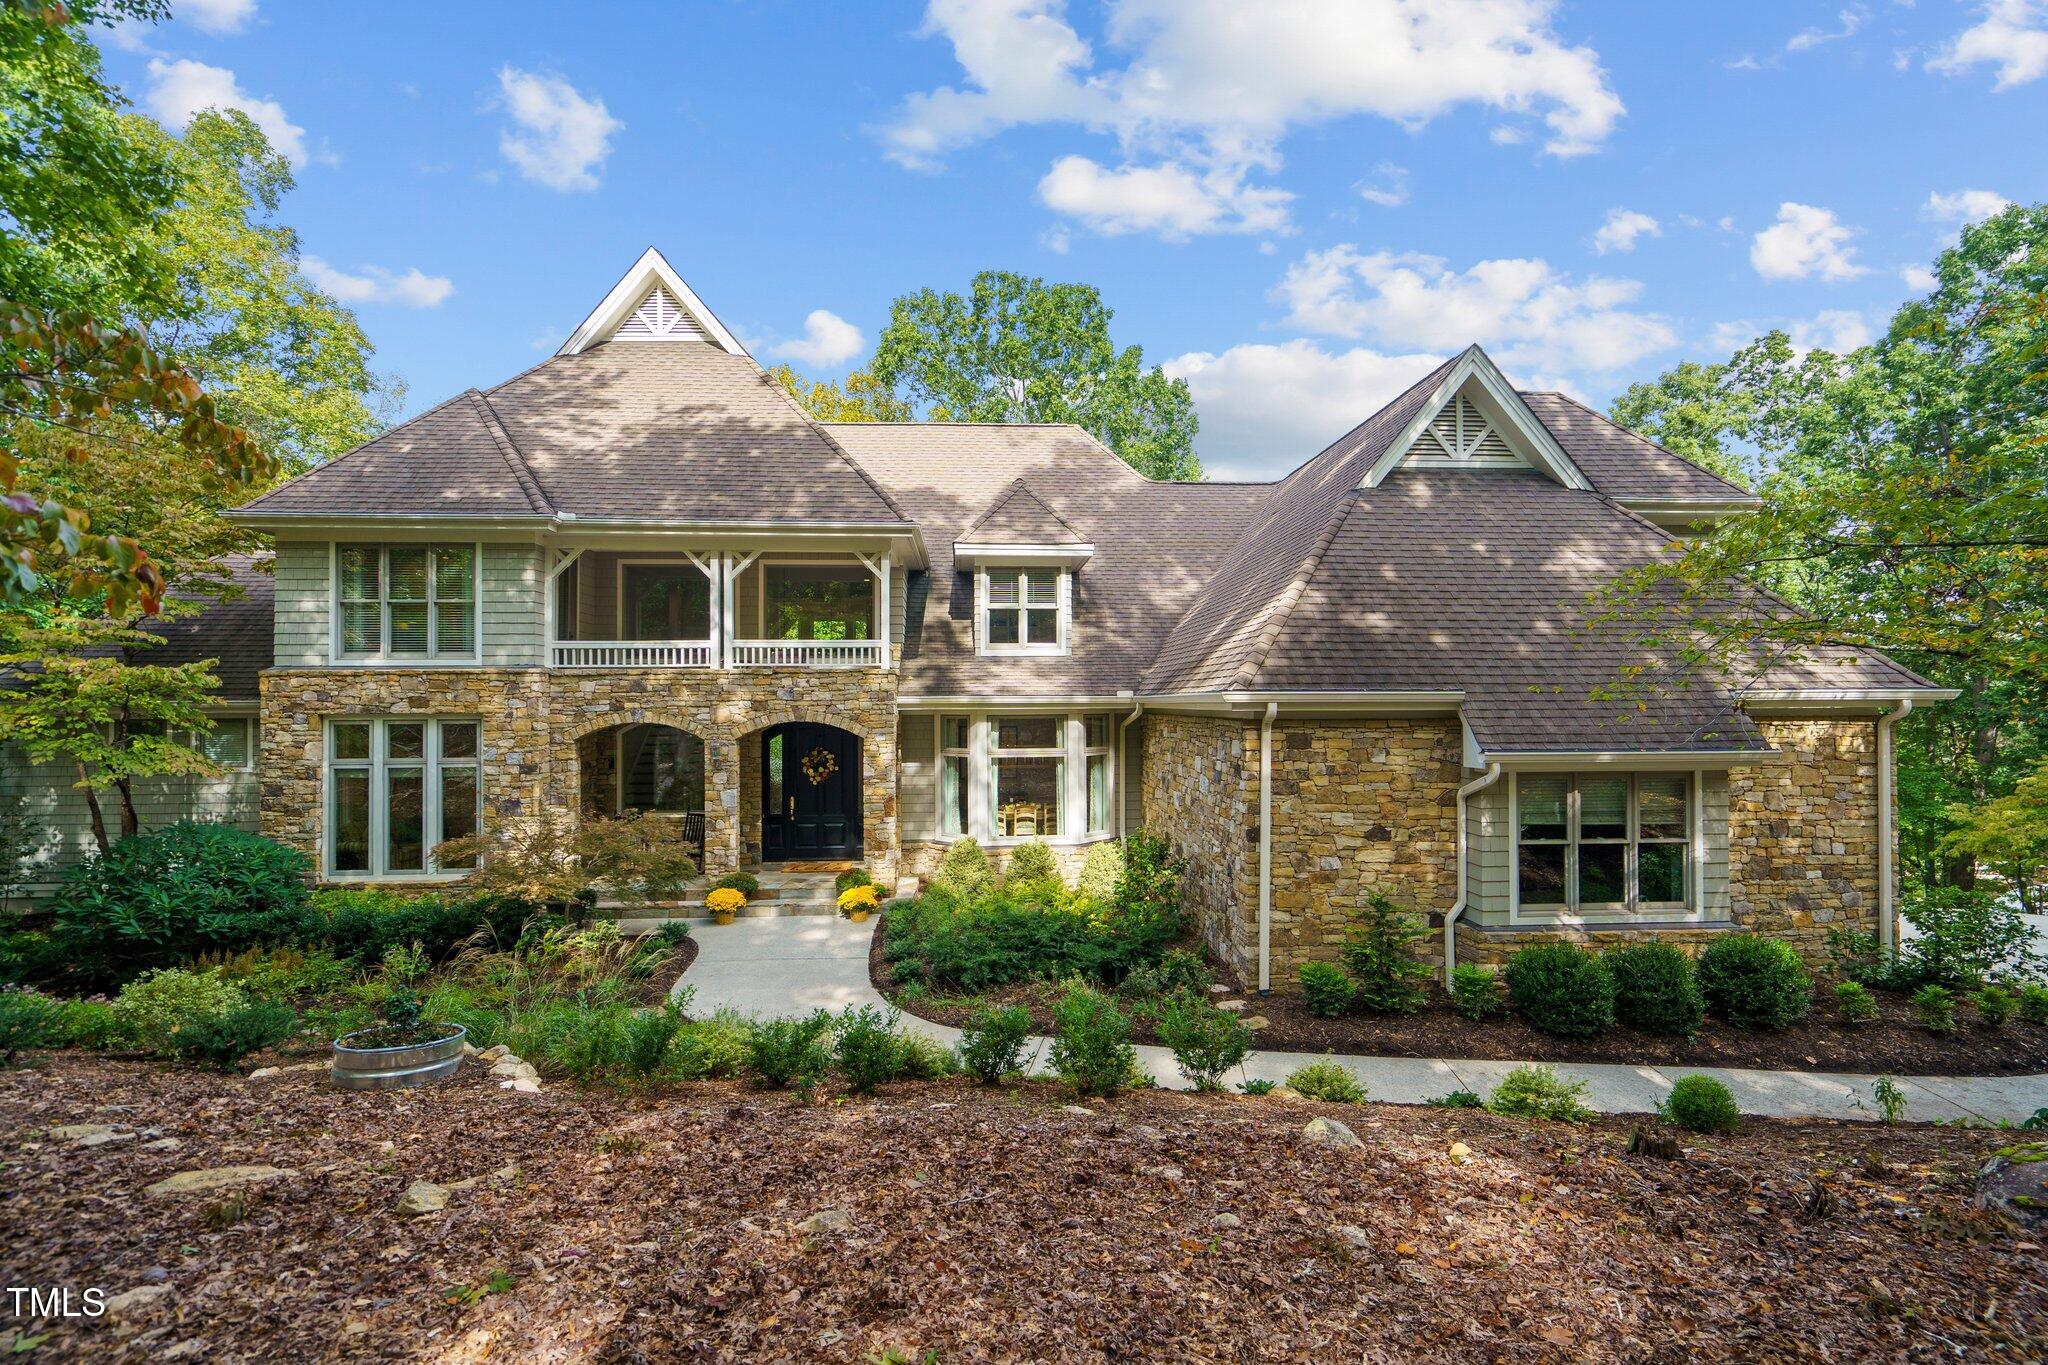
(398, 786)
(231, 742)
(955, 761)
(1027, 775)
(1009, 776)
(1603, 842)
(405, 602)
(1023, 610)
(1096, 735)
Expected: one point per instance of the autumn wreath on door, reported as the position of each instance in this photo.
(819, 764)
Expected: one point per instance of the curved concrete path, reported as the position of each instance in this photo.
(795, 965)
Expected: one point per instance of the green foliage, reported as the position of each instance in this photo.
(993, 1040)
(363, 925)
(1854, 1003)
(1995, 1005)
(939, 943)
(746, 883)
(157, 1007)
(1752, 982)
(1964, 938)
(1101, 868)
(28, 1019)
(1561, 989)
(1655, 990)
(1475, 991)
(714, 1049)
(1091, 1046)
(1701, 1104)
(1456, 1099)
(186, 889)
(1891, 1100)
(1148, 887)
(859, 399)
(2033, 1004)
(1258, 1087)
(1326, 991)
(1016, 349)
(785, 1052)
(1935, 1007)
(650, 1037)
(1379, 956)
(1328, 1081)
(1178, 972)
(852, 877)
(91, 1024)
(1031, 861)
(588, 1044)
(923, 1058)
(1538, 1092)
(866, 1048)
(1206, 1041)
(222, 1040)
(964, 872)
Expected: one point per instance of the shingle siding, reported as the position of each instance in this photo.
(302, 631)
(513, 613)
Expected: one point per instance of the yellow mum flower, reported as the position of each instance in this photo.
(859, 898)
(726, 898)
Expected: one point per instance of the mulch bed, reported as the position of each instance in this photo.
(984, 1225)
(1892, 1044)
(654, 990)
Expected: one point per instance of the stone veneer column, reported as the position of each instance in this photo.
(721, 806)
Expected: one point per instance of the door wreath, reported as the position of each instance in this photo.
(819, 764)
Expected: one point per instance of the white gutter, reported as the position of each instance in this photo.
(1887, 919)
(1266, 849)
(1123, 769)
(1477, 784)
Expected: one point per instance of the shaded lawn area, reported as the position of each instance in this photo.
(986, 1225)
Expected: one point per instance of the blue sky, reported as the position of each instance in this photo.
(1297, 204)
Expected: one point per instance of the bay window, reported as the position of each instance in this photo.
(1038, 775)
(1602, 842)
(398, 787)
(405, 601)
(953, 763)
(1095, 736)
(1028, 775)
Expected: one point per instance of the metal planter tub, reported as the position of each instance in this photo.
(395, 1068)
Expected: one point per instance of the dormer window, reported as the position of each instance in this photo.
(1024, 609)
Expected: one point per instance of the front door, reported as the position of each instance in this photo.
(810, 793)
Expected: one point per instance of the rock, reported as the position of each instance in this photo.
(162, 1145)
(468, 1048)
(140, 1297)
(1255, 1022)
(1460, 1153)
(1234, 1006)
(826, 1220)
(1226, 1220)
(831, 1336)
(1351, 1235)
(1077, 1109)
(1173, 1174)
(422, 1196)
(216, 1178)
(492, 1054)
(89, 1134)
(1330, 1133)
(1147, 1132)
(2015, 1183)
(525, 1085)
(1219, 989)
(264, 1073)
(185, 1350)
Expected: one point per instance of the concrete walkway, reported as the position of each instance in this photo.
(792, 966)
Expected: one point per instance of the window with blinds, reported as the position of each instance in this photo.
(1603, 842)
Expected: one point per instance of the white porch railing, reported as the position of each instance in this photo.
(807, 653)
(634, 654)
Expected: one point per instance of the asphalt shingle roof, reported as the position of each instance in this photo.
(1019, 517)
(237, 633)
(1622, 464)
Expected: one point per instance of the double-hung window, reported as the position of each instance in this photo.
(954, 757)
(1602, 843)
(396, 788)
(231, 742)
(1024, 611)
(405, 602)
(1095, 741)
(1028, 775)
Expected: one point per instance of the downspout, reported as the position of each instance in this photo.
(1477, 784)
(1266, 849)
(1887, 919)
(1123, 767)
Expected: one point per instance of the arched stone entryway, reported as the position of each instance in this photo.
(644, 768)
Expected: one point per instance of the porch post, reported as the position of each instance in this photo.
(883, 607)
(721, 806)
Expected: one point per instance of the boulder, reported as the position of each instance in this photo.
(90, 1134)
(826, 1221)
(1351, 1235)
(216, 1178)
(1330, 1133)
(1226, 1220)
(2015, 1183)
(136, 1299)
(422, 1196)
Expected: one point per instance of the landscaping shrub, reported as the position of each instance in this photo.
(1537, 1092)
(1327, 1081)
(714, 1048)
(1049, 892)
(1475, 991)
(1754, 983)
(1936, 1008)
(746, 883)
(1700, 1104)
(852, 877)
(1032, 861)
(156, 899)
(1561, 989)
(221, 1041)
(866, 1048)
(1325, 990)
(156, 1007)
(1379, 955)
(992, 1042)
(1655, 989)
(592, 1045)
(1257, 1087)
(1456, 1099)
(1178, 972)
(363, 925)
(91, 1024)
(1206, 1041)
(452, 1002)
(28, 1019)
(1854, 1003)
(1091, 1046)
(28, 956)
(1100, 869)
(1147, 896)
(1965, 937)
(941, 943)
(672, 933)
(922, 1058)
(650, 1035)
(964, 872)
(784, 1052)
(2033, 1004)
(1994, 1005)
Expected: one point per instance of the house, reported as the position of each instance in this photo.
(638, 576)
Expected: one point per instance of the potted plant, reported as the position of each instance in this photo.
(855, 902)
(724, 902)
(399, 1053)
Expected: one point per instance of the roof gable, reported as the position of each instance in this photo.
(1019, 517)
(1475, 419)
(651, 303)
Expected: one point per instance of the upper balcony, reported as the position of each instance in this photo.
(720, 609)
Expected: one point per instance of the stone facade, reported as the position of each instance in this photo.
(535, 723)
(1200, 793)
(1490, 947)
(921, 858)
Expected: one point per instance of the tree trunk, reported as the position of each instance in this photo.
(92, 808)
(130, 826)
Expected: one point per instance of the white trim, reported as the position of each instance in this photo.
(383, 657)
(973, 554)
(651, 269)
(1648, 760)
(1625, 914)
(1535, 440)
(1063, 611)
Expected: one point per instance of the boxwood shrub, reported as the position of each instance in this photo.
(1754, 983)
(1655, 989)
(1561, 989)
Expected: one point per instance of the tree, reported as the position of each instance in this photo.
(1016, 349)
(2010, 834)
(860, 399)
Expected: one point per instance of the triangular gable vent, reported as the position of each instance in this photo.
(1461, 432)
(659, 318)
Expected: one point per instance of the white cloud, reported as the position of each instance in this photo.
(1507, 136)
(1805, 241)
(181, 90)
(829, 341)
(1266, 408)
(2011, 35)
(1171, 200)
(1533, 315)
(218, 16)
(1964, 206)
(1390, 187)
(560, 139)
(1622, 228)
(375, 284)
(1056, 239)
(1205, 89)
(1850, 20)
(1840, 330)
(1918, 278)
